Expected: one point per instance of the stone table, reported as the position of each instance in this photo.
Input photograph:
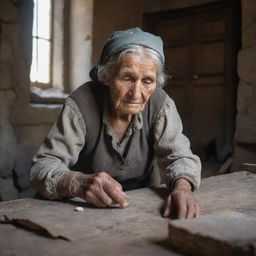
(136, 230)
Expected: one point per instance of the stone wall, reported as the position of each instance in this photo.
(245, 137)
(22, 126)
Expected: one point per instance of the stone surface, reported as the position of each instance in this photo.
(8, 149)
(249, 36)
(8, 144)
(7, 190)
(246, 123)
(6, 98)
(81, 23)
(29, 139)
(247, 96)
(246, 104)
(136, 230)
(246, 65)
(248, 24)
(222, 233)
(233, 192)
(6, 74)
(248, 13)
(8, 11)
(34, 114)
(15, 53)
(8, 43)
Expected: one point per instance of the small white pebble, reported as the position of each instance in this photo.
(79, 209)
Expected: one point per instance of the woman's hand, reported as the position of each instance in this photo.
(181, 202)
(102, 191)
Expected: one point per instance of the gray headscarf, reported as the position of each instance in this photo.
(119, 41)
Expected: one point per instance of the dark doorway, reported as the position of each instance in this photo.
(201, 45)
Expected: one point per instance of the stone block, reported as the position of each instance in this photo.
(6, 51)
(248, 13)
(223, 233)
(10, 43)
(246, 123)
(7, 189)
(6, 75)
(34, 114)
(246, 65)
(8, 11)
(8, 143)
(8, 149)
(6, 98)
(246, 96)
(29, 139)
(249, 36)
(246, 113)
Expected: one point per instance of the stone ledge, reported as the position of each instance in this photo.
(222, 233)
(47, 96)
(35, 114)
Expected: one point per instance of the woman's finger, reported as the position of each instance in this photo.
(167, 207)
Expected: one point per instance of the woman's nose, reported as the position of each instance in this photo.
(135, 91)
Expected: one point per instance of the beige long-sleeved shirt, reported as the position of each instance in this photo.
(66, 139)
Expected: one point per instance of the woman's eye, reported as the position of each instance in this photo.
(126, 78)
(147, 82)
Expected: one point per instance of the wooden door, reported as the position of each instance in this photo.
(201, 45)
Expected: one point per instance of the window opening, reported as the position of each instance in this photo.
(40, 73)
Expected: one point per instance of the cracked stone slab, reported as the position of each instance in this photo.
(222, 233)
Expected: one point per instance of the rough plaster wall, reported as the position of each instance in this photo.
(81, 16)
(111, 15)
(22, 126)
(245, 136)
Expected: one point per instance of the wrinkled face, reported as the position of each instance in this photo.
(132, 84)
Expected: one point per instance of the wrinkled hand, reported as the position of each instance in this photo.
(181, 202)
(102, 191)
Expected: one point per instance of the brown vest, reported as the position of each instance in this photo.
(133, 170)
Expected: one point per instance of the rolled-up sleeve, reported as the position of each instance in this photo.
(172, 148)
(59, 151)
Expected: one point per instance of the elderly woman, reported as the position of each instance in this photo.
(111, 130)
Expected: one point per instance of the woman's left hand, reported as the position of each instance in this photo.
(181, 202)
